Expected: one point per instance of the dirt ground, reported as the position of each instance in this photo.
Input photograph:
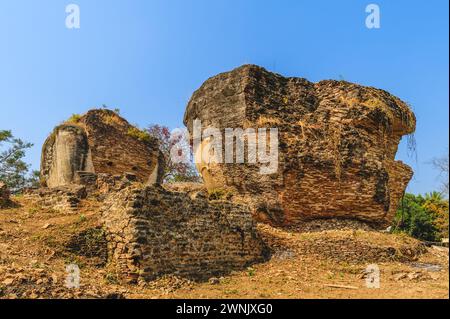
(37, 244)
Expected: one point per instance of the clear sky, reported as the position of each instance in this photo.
(146, 57)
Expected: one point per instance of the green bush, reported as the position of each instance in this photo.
(14, 172)
(75, 118)
(139, 134)
(417, 217)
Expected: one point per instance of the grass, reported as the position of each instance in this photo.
(82, 218)
(111, 278)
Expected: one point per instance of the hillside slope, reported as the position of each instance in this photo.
(36, 245)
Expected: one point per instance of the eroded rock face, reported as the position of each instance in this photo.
(4, 195)
(152, 232)
(100, 141)
(337, 145)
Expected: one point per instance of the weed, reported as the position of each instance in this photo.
(138, 134)
(75, 118)
(111, 278)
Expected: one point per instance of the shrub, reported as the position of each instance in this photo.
(14, 172)
(425, 218)
(74, 118)
(219, 194)
(139, 134)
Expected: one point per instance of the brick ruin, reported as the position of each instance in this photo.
(336, 160)
(98, 142)
(337, 145)
(153, 231)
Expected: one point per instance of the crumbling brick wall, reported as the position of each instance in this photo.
(152, 231)
(337, 145)
(63, 198)
(99, 141)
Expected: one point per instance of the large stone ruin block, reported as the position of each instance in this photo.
(152, 232)
(337, 145)
(100, 141)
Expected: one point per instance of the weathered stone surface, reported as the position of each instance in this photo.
(100, 141)
(193, 190)
(62, 198)
(4, 195)
(153, 232)
(337, 145)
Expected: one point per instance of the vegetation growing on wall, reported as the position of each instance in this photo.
(139, 134)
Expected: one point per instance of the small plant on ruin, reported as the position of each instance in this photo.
(34, 209)
(216, 194)
(74, 118)
(138, 134)
(111, 278)
(82, 218)
(220, 193)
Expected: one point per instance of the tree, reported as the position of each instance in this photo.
(168, 143)
(34, 179)
(436, 205)
(441, 164)
(13, 170)
(413, 219)
(423, 217)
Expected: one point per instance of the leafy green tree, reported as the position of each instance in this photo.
(437, 206)
(423, 217)
(34, 179)
(413, 219)
(13, 170)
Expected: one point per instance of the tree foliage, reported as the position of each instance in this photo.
(168, 143)
(423, 217)
(13, 170)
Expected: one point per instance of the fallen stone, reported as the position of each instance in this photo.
(8, 281)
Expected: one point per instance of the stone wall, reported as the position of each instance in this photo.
(63, 198)
(152, 232)
(99, 141)
(86, 186)
(337, 145)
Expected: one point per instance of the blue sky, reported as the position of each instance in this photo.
(147, 57)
